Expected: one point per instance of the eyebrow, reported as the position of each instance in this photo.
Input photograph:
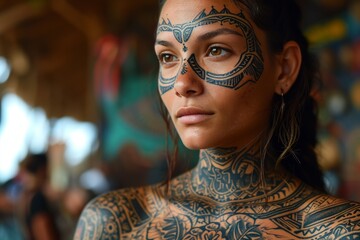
(164, 43)
(220, 31)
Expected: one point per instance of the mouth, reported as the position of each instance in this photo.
(192, 115)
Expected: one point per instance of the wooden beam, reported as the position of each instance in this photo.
(13, 16)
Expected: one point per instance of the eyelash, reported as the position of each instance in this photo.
(162, 56)
(224, 51)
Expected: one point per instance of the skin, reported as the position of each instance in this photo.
(42, 228)
(225, 196)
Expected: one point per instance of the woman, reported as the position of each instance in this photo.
(235, 77)
(39, 217)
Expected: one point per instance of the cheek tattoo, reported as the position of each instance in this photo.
(166, 84)
(250, 63)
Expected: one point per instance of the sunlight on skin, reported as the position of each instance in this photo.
(225, 196)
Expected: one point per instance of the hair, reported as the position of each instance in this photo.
(36, 162)
(293, 133)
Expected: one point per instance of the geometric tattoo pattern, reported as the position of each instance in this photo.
(250, 62)
(222, 198)
(228, 195)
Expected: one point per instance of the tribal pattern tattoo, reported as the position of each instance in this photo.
(250, 63)
(222, 198)
(166, 84)
(184, 68)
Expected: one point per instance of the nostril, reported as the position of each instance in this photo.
(187, 93)
(190, 92)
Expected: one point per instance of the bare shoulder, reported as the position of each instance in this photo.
(310, 215)
(338, 217)
(116, 214)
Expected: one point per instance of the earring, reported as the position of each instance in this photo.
(282, 106)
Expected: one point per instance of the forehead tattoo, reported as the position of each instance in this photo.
(250, 62)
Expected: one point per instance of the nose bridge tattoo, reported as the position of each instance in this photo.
(166, 84)
(184, 68)
(250, 63)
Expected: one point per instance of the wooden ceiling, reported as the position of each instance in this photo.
(50, 43)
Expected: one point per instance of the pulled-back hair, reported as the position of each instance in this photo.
(293, 130)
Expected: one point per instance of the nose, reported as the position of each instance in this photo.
(188, 84)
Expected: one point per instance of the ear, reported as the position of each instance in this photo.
(290, 61)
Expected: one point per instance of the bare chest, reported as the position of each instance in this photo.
(242, 223)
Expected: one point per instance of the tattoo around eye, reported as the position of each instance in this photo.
(250, 62)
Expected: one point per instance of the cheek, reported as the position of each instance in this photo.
(231, 100)
(244, 106)
(167, 100)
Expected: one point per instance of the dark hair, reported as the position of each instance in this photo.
(36, 162)
(292, 139)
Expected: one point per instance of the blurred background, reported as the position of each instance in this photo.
(78, 81)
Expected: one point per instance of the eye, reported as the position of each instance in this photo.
(217, 51)
(167, 58)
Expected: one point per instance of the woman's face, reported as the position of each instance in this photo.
(217, 77)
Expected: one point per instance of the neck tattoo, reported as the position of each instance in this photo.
(235, 175)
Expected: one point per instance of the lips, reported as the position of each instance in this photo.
(192, 115)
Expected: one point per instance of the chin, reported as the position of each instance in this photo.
(192, 146)
(196, 138)
(196, 143)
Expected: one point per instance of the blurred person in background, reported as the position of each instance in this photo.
(10, 192)
(9, 226)
(38, 216)
(73, 201)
